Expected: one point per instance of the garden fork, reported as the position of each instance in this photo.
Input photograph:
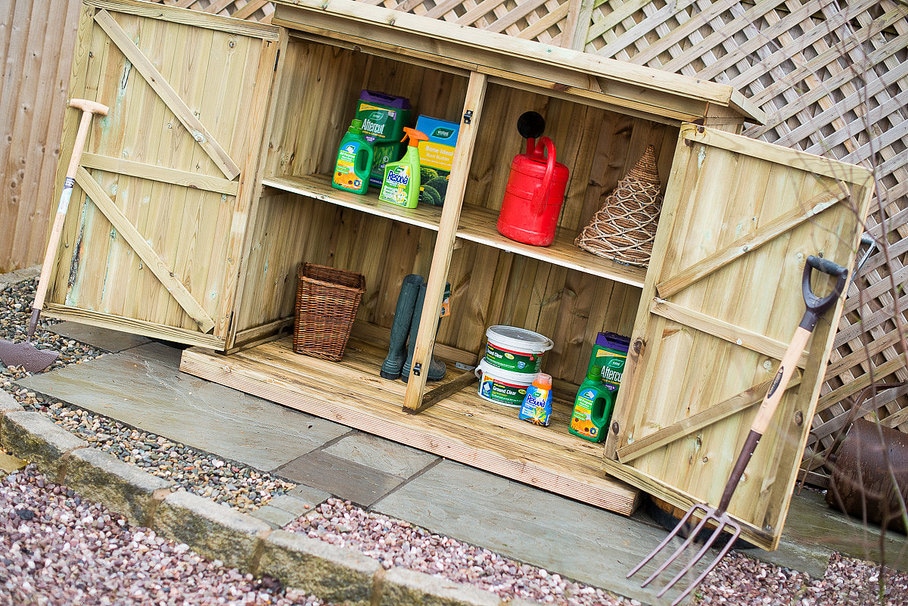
(717, 517)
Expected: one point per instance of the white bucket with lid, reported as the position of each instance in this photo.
(515, 349)
(502, 386)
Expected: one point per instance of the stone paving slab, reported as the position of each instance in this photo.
(360, 484)
(812, 522)
(144, 388)
(309, 495)
(380, 454)
(19, 275)
(285, 508)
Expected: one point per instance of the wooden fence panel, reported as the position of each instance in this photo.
(36, 40)
(255, 10)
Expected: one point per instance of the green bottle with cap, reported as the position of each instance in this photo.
(595, 398)
(354, 160)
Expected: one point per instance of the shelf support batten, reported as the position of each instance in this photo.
(444, 242)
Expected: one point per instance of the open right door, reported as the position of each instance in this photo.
(721, 302)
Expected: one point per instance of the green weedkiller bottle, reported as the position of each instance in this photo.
(354, 160)
(595, 399)
(401, 182)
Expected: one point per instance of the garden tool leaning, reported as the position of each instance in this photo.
(25, 354)
(717, 517)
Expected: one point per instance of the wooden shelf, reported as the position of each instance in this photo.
(476, 225)
(319, 187)
(463, 427)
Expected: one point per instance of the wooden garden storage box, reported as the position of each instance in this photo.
(195, 207)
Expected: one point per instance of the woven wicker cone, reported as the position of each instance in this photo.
(326, 303)
(625, 226)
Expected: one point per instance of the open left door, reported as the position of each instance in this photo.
(153, 238)
(721, 302)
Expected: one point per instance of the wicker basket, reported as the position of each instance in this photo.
(625, 226)
(326, 304)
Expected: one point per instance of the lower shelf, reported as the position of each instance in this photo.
(462, 427)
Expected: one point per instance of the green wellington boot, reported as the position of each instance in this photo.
(437, 368)
(403, 317)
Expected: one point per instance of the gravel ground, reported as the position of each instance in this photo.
(57, 549)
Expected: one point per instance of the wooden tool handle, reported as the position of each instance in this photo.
(89, 109)
(816, 307)
(767, 410)
(780, 381)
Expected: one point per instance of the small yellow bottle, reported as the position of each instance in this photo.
(400, 185)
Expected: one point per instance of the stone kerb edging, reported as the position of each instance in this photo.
(219, 532)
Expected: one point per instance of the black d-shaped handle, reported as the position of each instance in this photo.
(817, 306)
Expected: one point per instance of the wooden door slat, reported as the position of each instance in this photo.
(145, 252)
(737, 249)
(737, 403)
(159, 173)
(727, 331)
(164, 90)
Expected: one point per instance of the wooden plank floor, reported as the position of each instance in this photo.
(463, 428)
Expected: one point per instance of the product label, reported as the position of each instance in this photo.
(345, 171)
(501, 393)
(376, 120)
(394, 187)
(611, 367)
(513, 361)
(398, 176)
(537, 407)
(436, 155)
(581, 419)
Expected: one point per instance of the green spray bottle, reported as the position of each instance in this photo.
(595, 398)
(400, 185)
(354, 160)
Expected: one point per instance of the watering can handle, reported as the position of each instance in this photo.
(542, 191)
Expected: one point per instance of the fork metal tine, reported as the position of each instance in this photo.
(699, 556)
(722, 523)
(661, 545)
(725, 549)
(681, 548)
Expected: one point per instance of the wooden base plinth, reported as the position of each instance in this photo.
(462, 427)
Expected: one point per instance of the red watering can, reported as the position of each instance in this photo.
(535, 190)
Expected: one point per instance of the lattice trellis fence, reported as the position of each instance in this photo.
(832, 78)
(256, 10)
